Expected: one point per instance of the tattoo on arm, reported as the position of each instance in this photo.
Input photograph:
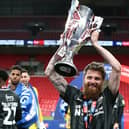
(59, 82)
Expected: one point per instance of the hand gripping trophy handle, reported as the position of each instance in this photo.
(80, 23)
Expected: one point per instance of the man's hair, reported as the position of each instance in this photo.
(3, 75)
(24, 70)
(97, 66)
(16, 67)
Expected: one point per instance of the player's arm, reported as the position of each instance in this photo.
(58, 81)
(18, 111)
(114, 79)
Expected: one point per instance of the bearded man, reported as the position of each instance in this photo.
(91, 108)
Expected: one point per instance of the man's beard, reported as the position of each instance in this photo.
(92, 93)
(15, 83)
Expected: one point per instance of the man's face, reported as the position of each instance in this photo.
(25, 78)
(93, 82)
(15, 76)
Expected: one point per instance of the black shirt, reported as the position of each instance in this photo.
(102, 117)
(10, 109)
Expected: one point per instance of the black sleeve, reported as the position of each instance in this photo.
(70, 93)
(120, 104)
(109, 96)
(117, 103)
(18, 111)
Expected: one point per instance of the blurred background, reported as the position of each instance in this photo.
(19, 17)
(29, 34)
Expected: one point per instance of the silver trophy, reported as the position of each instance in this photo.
(80, 23)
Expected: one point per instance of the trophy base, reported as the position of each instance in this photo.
(65, 69)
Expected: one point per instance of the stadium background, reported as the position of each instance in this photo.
(29, 34)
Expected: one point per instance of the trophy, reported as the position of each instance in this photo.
(80, 23)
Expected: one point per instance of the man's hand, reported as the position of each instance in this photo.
(94, 37)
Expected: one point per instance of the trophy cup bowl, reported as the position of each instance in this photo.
(66, 67)
(78, 28)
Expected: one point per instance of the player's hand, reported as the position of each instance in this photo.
(94, 37)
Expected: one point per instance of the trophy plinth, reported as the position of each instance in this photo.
(65, 68)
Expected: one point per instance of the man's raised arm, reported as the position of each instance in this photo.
(114, 79)
(58, 81)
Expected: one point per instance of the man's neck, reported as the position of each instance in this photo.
(27, 85)
(13, 87)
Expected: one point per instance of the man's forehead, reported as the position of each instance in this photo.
(25, 74)
(15, 71)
